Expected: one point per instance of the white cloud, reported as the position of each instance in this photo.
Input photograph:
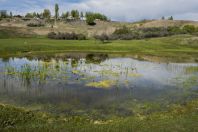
(123, 10)
(129, 10)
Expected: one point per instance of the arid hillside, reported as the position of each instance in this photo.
(19, 26)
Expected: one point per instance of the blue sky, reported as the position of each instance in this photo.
(120, 10)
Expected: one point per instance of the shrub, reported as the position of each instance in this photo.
(174, 30)
(123, 30)
(125, 33)
(140, 33)
(189, 29)
(66, 36)
(52, 35)
(103, 38)
(35, 25)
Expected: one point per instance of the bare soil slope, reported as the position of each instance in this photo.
(20, 26)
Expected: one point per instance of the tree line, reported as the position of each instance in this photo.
(46, 14)
(90, 17)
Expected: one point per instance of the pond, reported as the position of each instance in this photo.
(96, 85)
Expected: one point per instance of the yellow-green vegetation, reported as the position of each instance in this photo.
(108, 73)
(27, 72)
(191, 81)
(75, 72)
(102, 84)
(192, 69)
(167, 47)
(134, 75)
(182, 118)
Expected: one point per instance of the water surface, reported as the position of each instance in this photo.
(96, 85)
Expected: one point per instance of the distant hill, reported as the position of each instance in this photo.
(166, 23)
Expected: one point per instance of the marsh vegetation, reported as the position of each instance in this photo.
(97, 93)
(71, 74)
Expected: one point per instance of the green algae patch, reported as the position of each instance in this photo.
(135, 75)
(102, 84)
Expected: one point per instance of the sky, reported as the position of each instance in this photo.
(117, 10)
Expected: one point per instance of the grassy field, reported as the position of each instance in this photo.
(178, 48)
(182, 118)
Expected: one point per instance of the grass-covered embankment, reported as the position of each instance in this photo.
(177, 118)
(182, 47)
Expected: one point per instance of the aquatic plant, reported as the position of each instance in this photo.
(191, 69)
(10, 70)
(108, 72)
(102, 84)
(190, 82)
(135, 75)
(75, 72)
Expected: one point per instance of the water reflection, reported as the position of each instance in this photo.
(95, 82)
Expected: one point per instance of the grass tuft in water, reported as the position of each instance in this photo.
(102, 84)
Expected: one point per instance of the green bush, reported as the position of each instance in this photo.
(90, 20)
(123, 30)
(175, 30)
(11, 116)
(189, 29)
(91, 17)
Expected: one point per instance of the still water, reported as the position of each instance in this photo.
(95, 84)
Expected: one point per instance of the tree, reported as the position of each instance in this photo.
(65, 15)
(100, 16)
(3, 14)
(75, 14)
(34, 14)
(170, 18)
(39, 15)
(56, 12)
(163, 18)
(29, 15)
(46, 14)
(11, 15)
(81, 15)
(90, 18)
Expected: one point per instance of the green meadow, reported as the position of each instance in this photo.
(178, 48)
(181, 118)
